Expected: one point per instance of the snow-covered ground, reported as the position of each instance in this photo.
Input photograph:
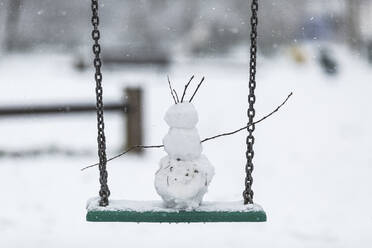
(313, 160)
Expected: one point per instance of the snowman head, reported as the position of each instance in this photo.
(181, 115)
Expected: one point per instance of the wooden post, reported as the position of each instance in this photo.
(134, 127)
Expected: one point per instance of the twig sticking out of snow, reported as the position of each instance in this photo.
(187, 85)
(175, 92)
(204, 140)
(171, 90)
(256, 122)
(197, 88)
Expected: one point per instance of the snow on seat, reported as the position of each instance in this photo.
(154, 211)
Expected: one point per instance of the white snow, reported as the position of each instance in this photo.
(181, 143)
(313, 160)
(157, 206)
(182, 115)
(182, 184)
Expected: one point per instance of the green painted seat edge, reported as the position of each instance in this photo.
(174, 217)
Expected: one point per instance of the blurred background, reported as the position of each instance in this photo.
(312, 159)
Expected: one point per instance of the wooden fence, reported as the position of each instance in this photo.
(131, 108)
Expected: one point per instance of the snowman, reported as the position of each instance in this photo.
(185, 173)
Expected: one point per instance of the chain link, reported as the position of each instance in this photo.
(101, 139)
(248, 192)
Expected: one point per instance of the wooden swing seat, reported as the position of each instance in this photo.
(154, 211)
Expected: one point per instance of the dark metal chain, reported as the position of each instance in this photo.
(248, 193)
(101, 140)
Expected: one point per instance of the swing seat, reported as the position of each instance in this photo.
(154, 211)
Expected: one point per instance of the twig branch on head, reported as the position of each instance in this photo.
(175, 93)
(171, 90)
(197, 88)
(187, 85)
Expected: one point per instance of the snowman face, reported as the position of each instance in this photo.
(182, 115)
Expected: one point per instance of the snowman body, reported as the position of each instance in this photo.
(185, 173)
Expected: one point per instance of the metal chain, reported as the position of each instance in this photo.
(101, 140)
(248, 193)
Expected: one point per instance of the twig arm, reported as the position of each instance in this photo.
(243, 128)
(121, 154)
